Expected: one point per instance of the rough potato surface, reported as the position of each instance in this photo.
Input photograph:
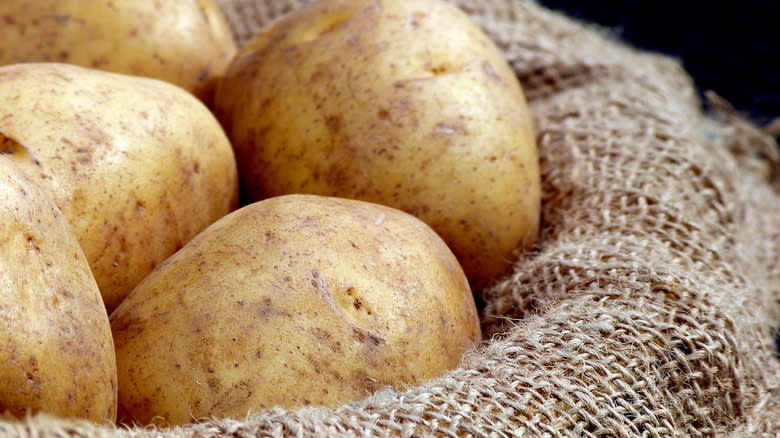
(405, 103)
(292, 301)
(137, 165)
(184, 42)
(56, 350)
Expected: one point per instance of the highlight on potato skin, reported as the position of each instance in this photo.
(184, 42)
(56, 349)
(292, 301)
(403, 103)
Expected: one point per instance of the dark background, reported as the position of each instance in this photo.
(732, 48)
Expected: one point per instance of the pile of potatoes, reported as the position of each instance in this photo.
(194, 230)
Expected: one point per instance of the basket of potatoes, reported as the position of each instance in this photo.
(374, 218)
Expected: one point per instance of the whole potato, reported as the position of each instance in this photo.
(185, 42)
(405, 103)
(138, 166)
(291, 301)
(56, 350)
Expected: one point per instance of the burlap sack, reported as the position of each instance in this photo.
(649, 307)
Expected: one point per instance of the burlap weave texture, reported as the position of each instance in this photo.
(647, 309)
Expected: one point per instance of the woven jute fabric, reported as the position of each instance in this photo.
(649, 305)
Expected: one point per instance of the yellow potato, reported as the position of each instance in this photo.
(137, 165)
(405, 103)
(184, 42)
(291, 301)
(56, 350)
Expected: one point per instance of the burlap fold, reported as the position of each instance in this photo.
(649, 306)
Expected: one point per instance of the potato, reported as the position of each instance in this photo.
(184, 42)
(405, 103)
(56, 350)
(138, 166)
(291, 301)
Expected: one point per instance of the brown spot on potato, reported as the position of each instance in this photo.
(266, 309)
(320, 334)
(214, 383)
(364, 383)
(99, 62)
(438, 69)
(358, 302)
(32, 244)
(316, 281)
(367, 338)
(159, 58)
(333, 123)
(32, 362)
(416, 18)
(265, 103)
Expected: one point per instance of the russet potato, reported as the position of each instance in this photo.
(138, 166)
(185, 42)
(56, 350)
(405, 103)
(291, 301)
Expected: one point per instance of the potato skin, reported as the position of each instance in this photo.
(184, 42)
(56, 350)
(405, 103)
(291, 301)
(138, 166)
